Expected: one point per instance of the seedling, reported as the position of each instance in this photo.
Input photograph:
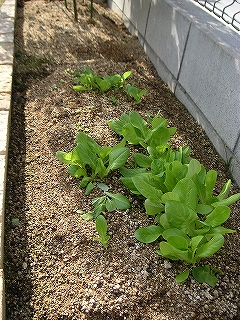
(90, 81)
(135, 92)
(88, 160)
(101, 227)
(113, 100)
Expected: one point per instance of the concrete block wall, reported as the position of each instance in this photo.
(198, 56)
(7, 20)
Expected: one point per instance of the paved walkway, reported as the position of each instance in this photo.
(7, 19)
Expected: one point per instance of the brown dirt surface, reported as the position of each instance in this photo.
(53, 268)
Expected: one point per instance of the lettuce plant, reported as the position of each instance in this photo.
(190, 221)
(179, 193)
(135, 92)
(101, 227)
(89, 81)
(135, 130)
(88, 160)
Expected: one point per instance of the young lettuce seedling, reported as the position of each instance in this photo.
(101, 227)
(135, 92)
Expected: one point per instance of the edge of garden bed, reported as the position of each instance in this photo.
(7, 21)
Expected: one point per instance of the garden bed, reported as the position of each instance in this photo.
(53, 268)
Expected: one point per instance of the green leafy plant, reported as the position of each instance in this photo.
(101, 227)
(135, 92)
(135, 130)
(191, 230)
(90, 81)
(88, 160)
(107, 202)
(179, 193)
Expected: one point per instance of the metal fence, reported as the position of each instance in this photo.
(228, 10)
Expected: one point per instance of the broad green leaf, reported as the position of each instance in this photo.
(88, 142)
(76, 159)
(110, 205)
(138, 122)
(147, 187)
(142, 160)
(163, 221)
(104, 152)
(170, 196)
(98, 201)
(103, 84)
(218, 216)
(172, 171)
(103, 186)
(228, 201)
(87, 216)
(117, 158)
(175, 232)
(100, 169)
(131, 135)
(152, 208)
(204, 209)
(131, 172)
(89, 188)
(225, 190)
(85, 181)
(221, 230)
(101, 226)
(169, 251)
(157, 122)
(76, 171)
(121, 201)
(148, 234)
(126, 74)
(204, 275)
(160, 136)
(87, 156)
(182, 276)
(64, 157)
(211, 247)
(210, 181)
(127, 181)
(194, 167)
(178, 242)
(179, 215)
(116, 126)
(195, 241)
(187, 192)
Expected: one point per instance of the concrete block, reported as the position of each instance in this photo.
(7, 24)
(6, 37)
(161, 68)
(2, 296)
(4, 123)
(212, 133)
(116, 6)
(6, 53)
(8, 9)
(137, 12)
(210, 75)
(6, 78)
(166, 33)
(5, 101)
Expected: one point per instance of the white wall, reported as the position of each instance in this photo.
(199, 58)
